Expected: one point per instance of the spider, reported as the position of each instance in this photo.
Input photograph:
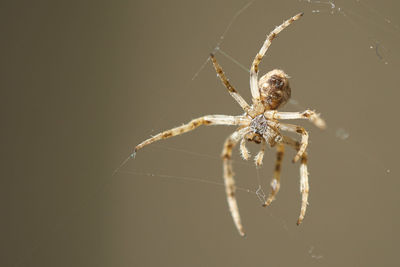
(258, 124)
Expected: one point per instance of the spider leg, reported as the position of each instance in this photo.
(304, 186)
(307, 114)
(275, 183)
(231, 89)
(229, 181)
(193, 124)
(304, 137)
(258, 159)
(254, 67)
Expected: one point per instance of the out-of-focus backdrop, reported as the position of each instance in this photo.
(83, 82)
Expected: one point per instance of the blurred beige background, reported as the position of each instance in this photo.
(84, 81)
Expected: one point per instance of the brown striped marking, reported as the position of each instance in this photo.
(300, 130)
(167, 134)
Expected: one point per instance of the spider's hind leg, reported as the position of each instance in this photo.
(254, 67)
(231, 89)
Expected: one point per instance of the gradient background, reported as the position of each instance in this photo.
(82, 82)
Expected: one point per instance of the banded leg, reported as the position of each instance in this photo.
(304, 185)
(307, 114)
(275, 183)
(254, 67)
(232, 91)
(205, 120)
(304, 137)
(229, 181)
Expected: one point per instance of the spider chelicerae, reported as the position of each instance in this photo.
(258, 124)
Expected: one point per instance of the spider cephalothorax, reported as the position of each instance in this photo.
(258, 124)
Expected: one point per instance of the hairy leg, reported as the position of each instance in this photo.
(254, 67)
(232, 91)
(304, 137)
(205, 120)
(275, 183)
(229, 181)
(304, 185)
(307, 114)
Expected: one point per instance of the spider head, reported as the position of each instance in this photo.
(274, 89)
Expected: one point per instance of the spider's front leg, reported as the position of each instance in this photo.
(304, 186)
(230, 188)
(205, 120)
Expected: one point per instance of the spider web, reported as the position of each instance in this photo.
(363, 16)
(378, 33)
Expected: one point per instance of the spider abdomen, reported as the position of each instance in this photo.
(274, 89)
